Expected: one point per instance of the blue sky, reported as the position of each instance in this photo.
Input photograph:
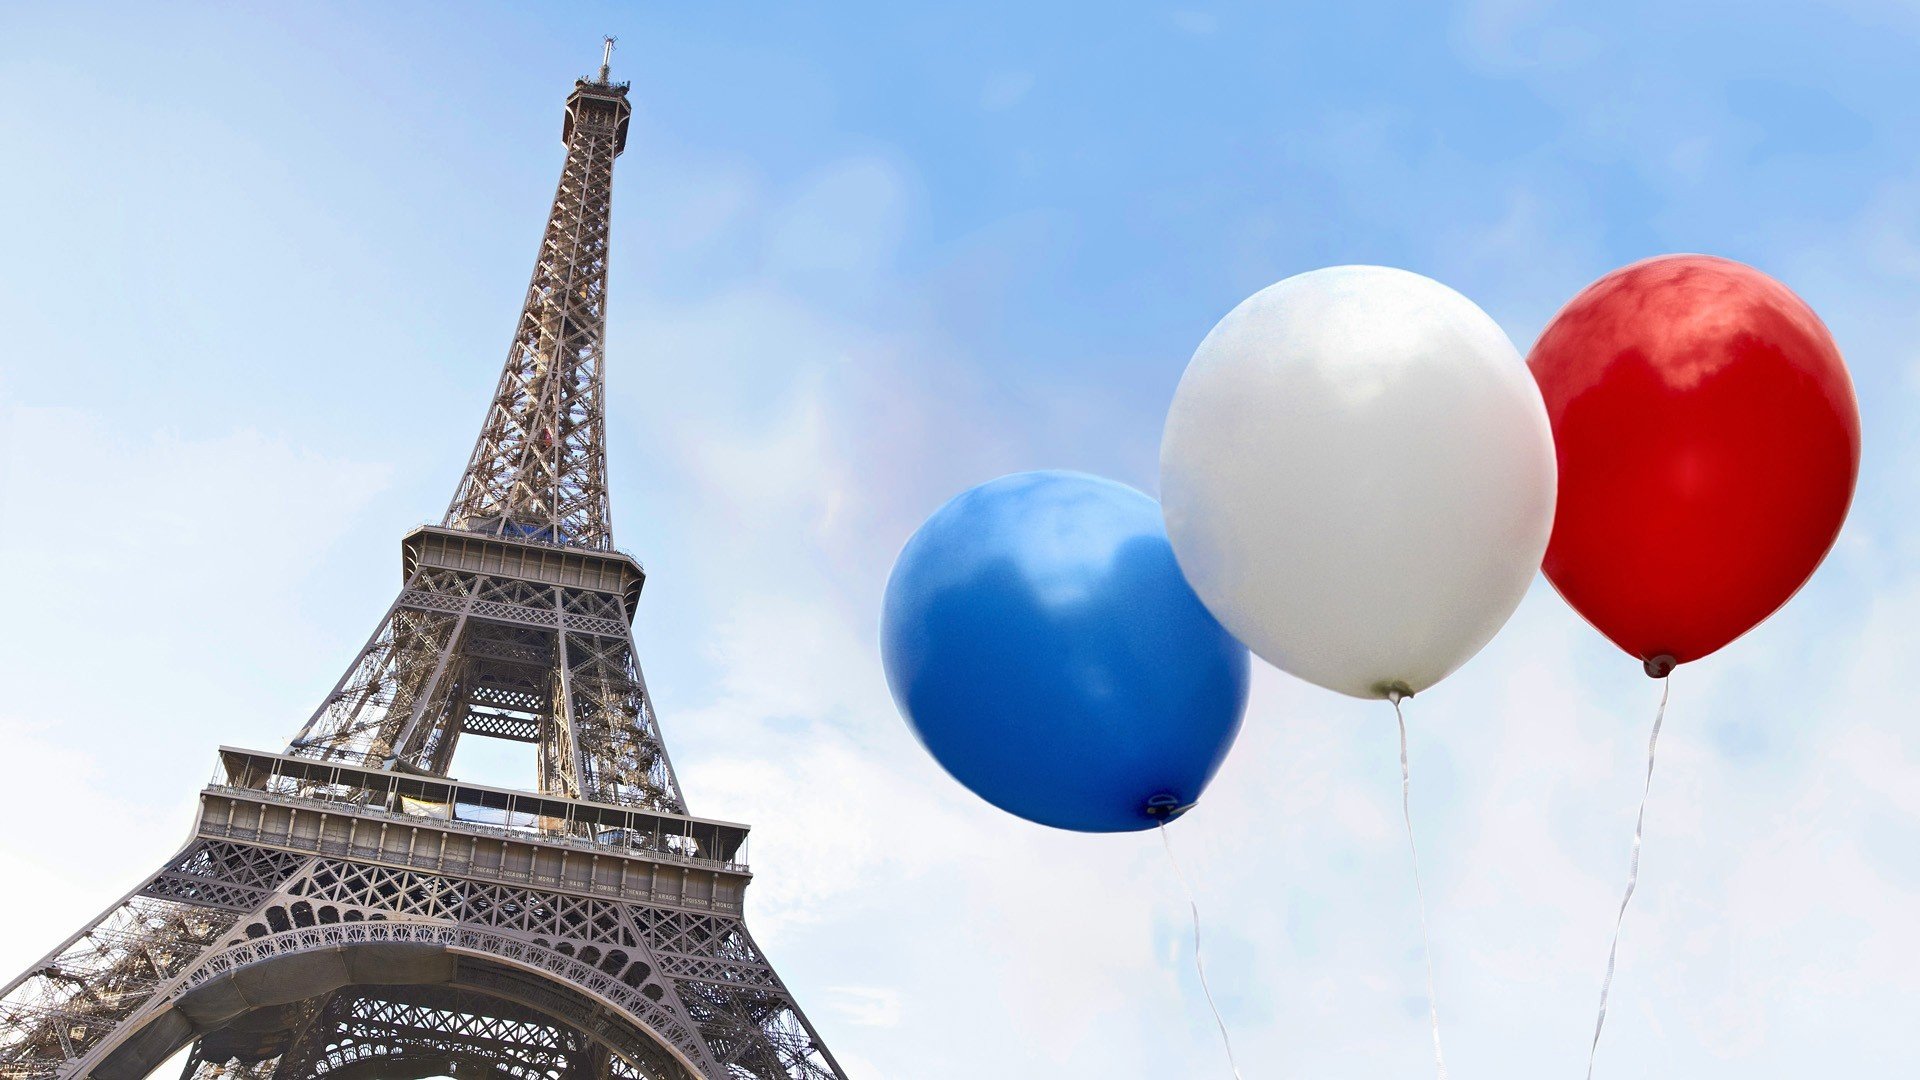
(260, 270)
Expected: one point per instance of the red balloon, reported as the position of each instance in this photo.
(1708, 440)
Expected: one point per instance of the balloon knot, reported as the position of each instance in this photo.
(1166, 806)
(1660, 666)
(1395, 692)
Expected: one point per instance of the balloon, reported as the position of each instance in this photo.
(1358, 478)
(1039, 639)
(1708, 441)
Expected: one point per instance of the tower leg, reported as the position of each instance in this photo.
(82, 993)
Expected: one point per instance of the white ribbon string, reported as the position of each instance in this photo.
(1426, 946)
(1633, 872)
(1198, 964)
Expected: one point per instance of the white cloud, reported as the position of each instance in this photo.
(846, 220)
(150, 620)
(1004, 90)
(1197, 23)
(866, 1006)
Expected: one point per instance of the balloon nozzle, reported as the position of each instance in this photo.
(1661, 666)
(1396, 692)
(1166, 806)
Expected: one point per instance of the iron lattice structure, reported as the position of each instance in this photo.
(346, 909)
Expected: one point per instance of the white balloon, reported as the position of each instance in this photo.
(1358, 478)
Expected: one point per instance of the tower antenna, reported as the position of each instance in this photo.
(606, 59)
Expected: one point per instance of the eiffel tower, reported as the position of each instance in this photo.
(346, 909)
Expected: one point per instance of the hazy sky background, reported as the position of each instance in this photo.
(261, 266)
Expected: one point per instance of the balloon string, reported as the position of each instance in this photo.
(1633, 872)
(1198, 964)
(1426, 946)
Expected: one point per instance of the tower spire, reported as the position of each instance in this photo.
(606, 59)
(539, 468)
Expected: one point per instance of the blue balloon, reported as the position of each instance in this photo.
(1041, 641)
